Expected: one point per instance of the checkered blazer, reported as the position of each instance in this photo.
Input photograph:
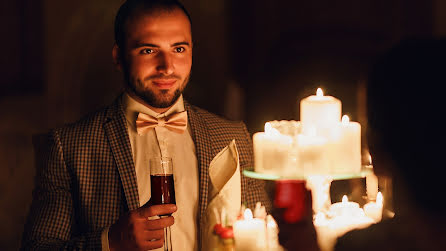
(88, 177)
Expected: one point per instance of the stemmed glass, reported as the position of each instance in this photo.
(162, 189)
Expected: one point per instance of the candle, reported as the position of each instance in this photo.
(374, 210)
(345, 208)
(272, 232)
(271, 151)
(312, 156)
(321, 112)
(347, 148)
(371, 181)
(249, 233)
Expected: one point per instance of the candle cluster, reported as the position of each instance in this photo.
(343, 217)
(320, 144)
(249, 231)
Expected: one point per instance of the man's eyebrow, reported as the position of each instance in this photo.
(181, 43)
(138, 45)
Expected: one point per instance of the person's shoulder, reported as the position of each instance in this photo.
(213, 120)
(92, 122)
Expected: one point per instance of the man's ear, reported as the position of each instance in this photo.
(116, 53)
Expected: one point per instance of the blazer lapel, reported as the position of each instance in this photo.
(203, 145)
(116, 130)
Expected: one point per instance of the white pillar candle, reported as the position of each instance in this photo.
(321, 112)
(347, 150)
(312, 152)
(374, 210)
(271, 150)
(249, 233)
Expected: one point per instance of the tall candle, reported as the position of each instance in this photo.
(321, 112)
(249, 233)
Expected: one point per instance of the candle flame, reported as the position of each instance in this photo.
(344, 199)
(379, 198)
(247, 214)
(370, 159)
(319, 92)
(345, 120)
(268, 127)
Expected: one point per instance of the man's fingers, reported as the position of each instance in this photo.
(154, 244)
(159, 223)
(148, 211)
(153, 235)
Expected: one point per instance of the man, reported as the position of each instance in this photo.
(93, 192)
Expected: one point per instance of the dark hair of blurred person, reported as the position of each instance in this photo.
(406, 136)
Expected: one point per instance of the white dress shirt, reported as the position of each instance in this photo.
(180, 147)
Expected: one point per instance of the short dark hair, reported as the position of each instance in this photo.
(405, 107)
(131, 7)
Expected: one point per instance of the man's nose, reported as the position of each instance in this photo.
(165, 64)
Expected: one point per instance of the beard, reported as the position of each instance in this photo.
(163, 99)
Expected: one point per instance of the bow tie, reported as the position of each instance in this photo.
(176, 122)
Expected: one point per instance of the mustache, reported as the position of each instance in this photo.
(162, 77)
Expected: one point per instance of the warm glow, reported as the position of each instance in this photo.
(345, 120)
(370, 159)
(271, 223)
(268, 127)
(379, 198)
(312, 132)
(319, 92)
(247, 214)
(344, 199)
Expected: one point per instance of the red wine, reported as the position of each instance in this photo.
(163, 190)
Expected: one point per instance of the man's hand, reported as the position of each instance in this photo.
(134, 231)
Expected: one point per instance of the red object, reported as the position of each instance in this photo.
(218, 229)
(163, 191)
(290, 195)
(227, 233)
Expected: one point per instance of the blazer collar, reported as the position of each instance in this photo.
(203, 145)
(116, 130)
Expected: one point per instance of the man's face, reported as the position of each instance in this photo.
(157, 57)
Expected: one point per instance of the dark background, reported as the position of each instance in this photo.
(253, 61)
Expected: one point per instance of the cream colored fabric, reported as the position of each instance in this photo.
(176, 122)
(160, 141)
(224, 174)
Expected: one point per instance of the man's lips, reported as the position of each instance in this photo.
(164, 83)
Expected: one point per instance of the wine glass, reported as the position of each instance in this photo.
(162, 189)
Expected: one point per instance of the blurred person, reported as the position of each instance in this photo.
(93, 191)
(407, 142)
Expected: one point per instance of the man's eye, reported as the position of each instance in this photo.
(147, 51)
(179, 49)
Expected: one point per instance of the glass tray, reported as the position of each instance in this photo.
(345, 176)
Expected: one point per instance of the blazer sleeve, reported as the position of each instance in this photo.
(51, 220)
(253, 190)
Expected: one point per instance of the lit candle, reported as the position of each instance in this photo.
(321, 112)
(249, 233)
(271, 150)
(345, 208)
(272, 232)
(374, 210)
(312, 153)
(347, 150)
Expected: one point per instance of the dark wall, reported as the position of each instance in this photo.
(253, 60)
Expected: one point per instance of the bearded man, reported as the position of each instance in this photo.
(93, 190)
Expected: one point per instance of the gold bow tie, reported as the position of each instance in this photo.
(176, 122)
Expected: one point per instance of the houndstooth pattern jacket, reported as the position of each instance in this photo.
(88, 177)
